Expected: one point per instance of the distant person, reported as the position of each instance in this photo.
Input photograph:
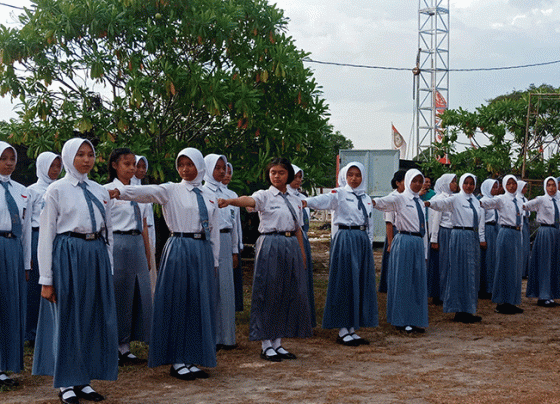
(526, 234)
(489, 190)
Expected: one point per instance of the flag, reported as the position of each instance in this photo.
(398, 142)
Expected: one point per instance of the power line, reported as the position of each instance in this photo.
(9, 5)
(484, 69)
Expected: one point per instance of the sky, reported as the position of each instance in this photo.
(364, 102)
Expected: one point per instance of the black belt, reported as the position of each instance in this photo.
(35, 228)
(281, 233)
(85, 236)
(7, 234)
(547, 225)
(518, 228)
(225, 230)
(410, 233)
(491, 223)
(128, 232)
(463, 228)
(344, 227)
(196, 236)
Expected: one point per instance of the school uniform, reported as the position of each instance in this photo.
(461, 288)
(407, 295)
(133, 296)
(76, 336)
(36, 192)
(488, 256)
(389, 219)
(525, 233)
(544, 269)
(351, 293)
(307, 248)
(279, 303)
(15, 258)
(509, 249)
(184, 314)
(237, 271)
(225, 296)
(440, 232)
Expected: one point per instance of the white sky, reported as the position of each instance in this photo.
(364, 102)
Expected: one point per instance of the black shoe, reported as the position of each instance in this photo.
(8, 382)
(69, 400)
(199, 374)
(406, 328)
(546, 303)
(505, 309)
(219, 347)
(485, 295)
(351, 342)
(128, 359)
(229, 347)
(436, 301)
(466, 318)
(361, 341)
(517, 310)
(186, 376)
(287, 355)
(418, 330)
(91, 396)
(272, 358)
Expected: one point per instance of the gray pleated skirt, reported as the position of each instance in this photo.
(407, 290)
(544, 268)
(509, 267)
(309, 268)
(33, 291)
(225, 305)
(444, 236)
(133, 296)
(280, 301)
(12, 305)
(488, 259)
(77, 337)
(184, 315)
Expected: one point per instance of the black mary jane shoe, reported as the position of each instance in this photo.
(8, 382)
(287, 355)
(199, 374)
(128, 359)
(272, 358)
(466, 318)
(68, 400)
(91, 396)
(185, 376)
(361, 341)
(350, 342)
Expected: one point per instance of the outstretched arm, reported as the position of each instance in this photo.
(241, 202)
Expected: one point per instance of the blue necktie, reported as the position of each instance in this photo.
(137, 216)
(475, 215)
(305, 221)
(362, 207)
(14, 211)
(556, 214)
(203, 212)
(518, 215)
(91, 199)
(291, 208)
(496, 215)
(420, 216)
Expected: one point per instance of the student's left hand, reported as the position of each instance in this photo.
(304, 204)
(427, 204)
(235, 260)
(483, 245)
(114, 193)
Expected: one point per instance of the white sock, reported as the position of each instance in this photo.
(3, 376)
(183, 371)
(88, 389)
(124, 348)
(266, 343)
(193, 368)
(69, 393)
(353, 333)
(276, 343)
(344, 331)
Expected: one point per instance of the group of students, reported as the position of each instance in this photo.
(93, 260)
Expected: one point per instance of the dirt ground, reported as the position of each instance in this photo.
(503, 359)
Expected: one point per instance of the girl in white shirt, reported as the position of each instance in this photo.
(506, 291)
(184, 315)
(15, 256)
(489, 189)
(130, 258)
(48, 167)
(407, 295)
(279, 304)
(351, 295)
(467, 237)
(544, 267)
(521, 191)
(75, 265)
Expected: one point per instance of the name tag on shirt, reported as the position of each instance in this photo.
(274, 207)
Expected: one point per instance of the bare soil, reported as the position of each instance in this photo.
(513, 359)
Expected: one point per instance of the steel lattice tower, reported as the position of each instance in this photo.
(431, 73)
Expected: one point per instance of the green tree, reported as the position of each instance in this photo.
(497, 132)
(161, 75)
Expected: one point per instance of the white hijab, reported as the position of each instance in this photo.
(198, 161)
(408, 177)
(486, 187)
(135, 180)
(442, 185)
(4, 146)
(342, 177)
(69, 151)
(462, 180)
(210, 161)
(546, 182)
(296, 170)
(504, 182)
(43, 165)
(520, 185)
(360, 189)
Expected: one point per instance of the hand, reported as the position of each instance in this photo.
(427, 204)
(389, 247)
(483, 245)
(235, 260)
(422, 191)
(222, 203)
(304, 204)
(114, 193)
(250, 209)
(434, 246)
(47, 291)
